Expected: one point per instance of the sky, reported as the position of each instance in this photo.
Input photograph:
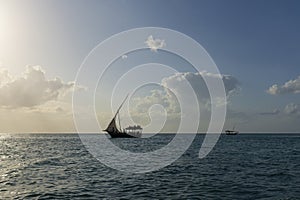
(255, 45)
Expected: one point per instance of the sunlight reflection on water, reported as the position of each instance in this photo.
(239, 167)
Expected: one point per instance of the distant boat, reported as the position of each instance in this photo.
(231, 132)
(129, 132)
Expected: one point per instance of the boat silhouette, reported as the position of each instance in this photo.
(231, 132)
(129, 132)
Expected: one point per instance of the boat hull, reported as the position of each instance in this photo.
(122, 135)
(231, 132)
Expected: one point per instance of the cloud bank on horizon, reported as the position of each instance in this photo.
(168, 100)
(31, 102)
(31, 89)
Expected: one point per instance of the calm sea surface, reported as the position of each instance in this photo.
(246, 166)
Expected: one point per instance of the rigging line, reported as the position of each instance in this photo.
(119, 122)
(121, 105)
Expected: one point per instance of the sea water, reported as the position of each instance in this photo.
(58, 166)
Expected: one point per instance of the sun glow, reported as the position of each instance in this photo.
(11, 18)
(10, 34)
(5, 22)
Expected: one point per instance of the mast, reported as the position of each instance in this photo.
(112, 125)
(121, 106)
(119, 121)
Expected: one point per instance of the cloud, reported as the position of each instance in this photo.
(31, 89)
(59, 109)
(292, 109)
(5, 77)
(172, 89)
(156, 111)
(176, 83)
(197, 82)
(274, 112)
(141, 105)
(155, 44)
(291, 86)
(157, 96)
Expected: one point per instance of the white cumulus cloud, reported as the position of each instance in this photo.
(155, 44)
(173, 90)
(156, 96)
(196, 80)
(291, 86)
(31, 89)
(175, 83)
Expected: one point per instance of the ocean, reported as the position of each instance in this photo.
(58, 166)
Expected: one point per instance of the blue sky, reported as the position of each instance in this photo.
(257, 42)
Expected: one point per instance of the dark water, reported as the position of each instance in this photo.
(240, 167)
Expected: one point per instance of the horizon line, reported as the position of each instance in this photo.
(246, 132)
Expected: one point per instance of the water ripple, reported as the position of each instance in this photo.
(239, 167)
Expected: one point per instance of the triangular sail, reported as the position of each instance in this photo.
(112, 127)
